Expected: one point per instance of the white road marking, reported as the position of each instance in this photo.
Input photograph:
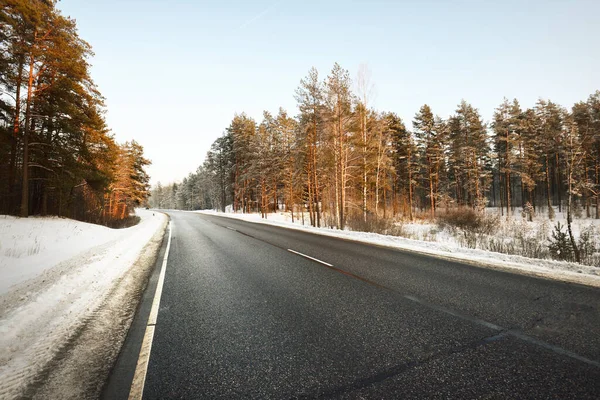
(503, 332)
(455, 314)
(506, 332)
(310, 258)
(233, 229)
(551, 347)
(139, 377)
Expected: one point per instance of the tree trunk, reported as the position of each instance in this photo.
(341, 172)
(364, 154)
(310, 199)
(507, 182)
(337, 188)
(317, 195)
(431, 195)
(586, 197)
(291, 194)
(501, 192)
(377, 179)
(558, 185)
(478, 196)
(569, 219)
(44, 200)
(548, 185)
(384, 202)
(410, 186)
(597, 186)
(235, 189)
(507, 175)
(25, 188)
(263, 198)
(15, 137)
(275, 199)
(343, 190)
(459, 200)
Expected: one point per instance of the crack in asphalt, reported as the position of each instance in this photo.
(502, 331)
(399, 369)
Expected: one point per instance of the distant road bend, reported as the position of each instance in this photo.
(256, 311)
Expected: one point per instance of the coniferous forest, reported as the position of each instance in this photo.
(340, 163)
(58, 157)
(342, 160)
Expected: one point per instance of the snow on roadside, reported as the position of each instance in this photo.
(55, 273)
(30, 246)
(447, 249)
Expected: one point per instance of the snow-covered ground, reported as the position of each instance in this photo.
(54, 275)
(428, 239)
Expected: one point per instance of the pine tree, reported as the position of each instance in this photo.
(131, 185)
(429, 135)
(264, 167)
(593, 103)
(288, 129)
(469, 155)
(362, 126)
(221, 171)
(530, 155)
(57, 130)
(575, 155)
(384, 166)
(404, 159)
(339, 101)
(586, 115)
(310, 99)
(243, 132)
(507, 140)
(549, 137)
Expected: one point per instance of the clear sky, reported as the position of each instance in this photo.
(175, 72)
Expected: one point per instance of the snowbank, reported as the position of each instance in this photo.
(443, 247)
(30, 246)
(54, 274)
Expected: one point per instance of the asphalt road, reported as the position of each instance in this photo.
(241, 316)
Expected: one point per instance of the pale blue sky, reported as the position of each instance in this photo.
(175, 72)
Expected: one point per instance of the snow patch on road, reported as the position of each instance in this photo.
(446, 249)
(55, 273)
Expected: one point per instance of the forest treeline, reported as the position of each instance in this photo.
(343, 162)
(58, 155)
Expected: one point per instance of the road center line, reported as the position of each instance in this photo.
(453, 313)
(551, 347)
(503, 332)
(309, 257)
(139, 377)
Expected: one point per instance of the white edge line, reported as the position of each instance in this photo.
(505, 332)
(556, 349)
(310, 258)
(137, 386)
(139, 377)
(233, 229)
(489, 325)
(445, 310)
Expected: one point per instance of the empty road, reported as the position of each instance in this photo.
(256, 311)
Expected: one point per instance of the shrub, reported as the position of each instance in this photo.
(469, 220)
(588, 248)
(528, 212)
(356, 222)
(398, 229)
(560, 244)
(123, 223)
(551, 213)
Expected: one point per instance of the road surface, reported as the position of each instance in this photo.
(257, 311)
